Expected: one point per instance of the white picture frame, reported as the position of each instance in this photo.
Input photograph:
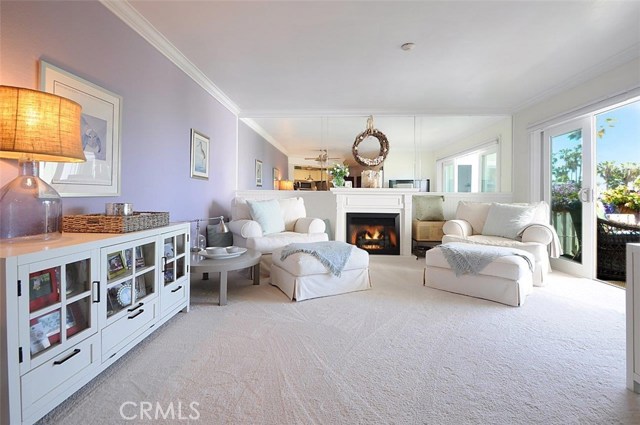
(199, 155)
(101, 125)
(258, 173)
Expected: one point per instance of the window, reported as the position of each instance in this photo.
(475, 170)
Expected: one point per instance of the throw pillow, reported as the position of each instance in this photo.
(475, 213)
(292, 210)
(268, 215)
(428, 208)
(507, 220)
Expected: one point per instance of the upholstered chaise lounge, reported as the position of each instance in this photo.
(270, 224)
(507, 278)
(520, 226)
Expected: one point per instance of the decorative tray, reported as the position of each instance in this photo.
(231, 252)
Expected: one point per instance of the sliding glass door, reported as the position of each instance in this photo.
(569, 183)
(592, 182)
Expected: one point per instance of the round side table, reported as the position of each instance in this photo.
(251, 258)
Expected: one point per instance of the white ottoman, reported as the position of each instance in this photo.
(506, 280)
(301, 276)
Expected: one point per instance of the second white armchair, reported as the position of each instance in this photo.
(520, 226)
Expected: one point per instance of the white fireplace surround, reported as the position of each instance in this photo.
(362, 200)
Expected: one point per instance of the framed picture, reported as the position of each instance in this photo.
(258, 173)
(168, 275)
(116, 264)
(276, 174)
(168, 250)
(101, 112)
(141, 287)
(43, 289)
(45, 331)
(139, 257)
(38, 336)
(75, 320)
(199, 155)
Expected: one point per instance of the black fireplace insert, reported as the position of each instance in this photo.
(376, 233)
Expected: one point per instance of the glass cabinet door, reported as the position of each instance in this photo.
(174, 257)
(130, 275)
(60, 302)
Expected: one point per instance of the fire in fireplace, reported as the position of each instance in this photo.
(376, 233)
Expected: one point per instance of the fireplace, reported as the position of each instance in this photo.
(376, 233)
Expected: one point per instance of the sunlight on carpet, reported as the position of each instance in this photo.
(398, 353)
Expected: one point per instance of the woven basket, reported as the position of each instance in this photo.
(100, 223)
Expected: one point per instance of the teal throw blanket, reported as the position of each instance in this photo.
(467, 258)
(332, 254)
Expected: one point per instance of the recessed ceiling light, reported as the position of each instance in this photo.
(408, 46)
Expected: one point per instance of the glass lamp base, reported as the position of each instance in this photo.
(30, 209)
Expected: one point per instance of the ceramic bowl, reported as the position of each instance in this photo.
(216, 250)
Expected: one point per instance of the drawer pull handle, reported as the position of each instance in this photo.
(177, 289)
(135, 308)
(76, 351)
(97, 283)
(136, 315)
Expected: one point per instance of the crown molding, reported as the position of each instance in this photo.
(299, 113)
(262, 132)
(130, 16)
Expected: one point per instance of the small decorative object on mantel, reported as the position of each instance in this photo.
(371, 178)
(339, 172)
(382, 139)
(101, 223)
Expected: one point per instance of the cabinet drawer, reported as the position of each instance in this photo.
(173, 294)
(128, 327)
(58, 370)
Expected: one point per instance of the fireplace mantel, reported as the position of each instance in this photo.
(381, 200)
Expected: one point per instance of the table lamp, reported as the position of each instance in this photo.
(35, 126)
(286, 185)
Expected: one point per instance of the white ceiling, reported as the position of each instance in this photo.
(476, 60)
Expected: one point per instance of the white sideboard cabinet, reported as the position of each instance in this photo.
(633, 317)
(70, 307)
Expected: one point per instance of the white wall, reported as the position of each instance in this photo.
(611, 83)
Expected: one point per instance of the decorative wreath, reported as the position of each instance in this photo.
(382, 139)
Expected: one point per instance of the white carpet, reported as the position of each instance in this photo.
(399, 353)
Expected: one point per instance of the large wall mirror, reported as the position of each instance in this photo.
(417, 145)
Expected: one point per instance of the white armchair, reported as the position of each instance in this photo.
(520, 226)
(267, 225)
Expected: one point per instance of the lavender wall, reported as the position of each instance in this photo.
(160, 105)
(252, 146)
